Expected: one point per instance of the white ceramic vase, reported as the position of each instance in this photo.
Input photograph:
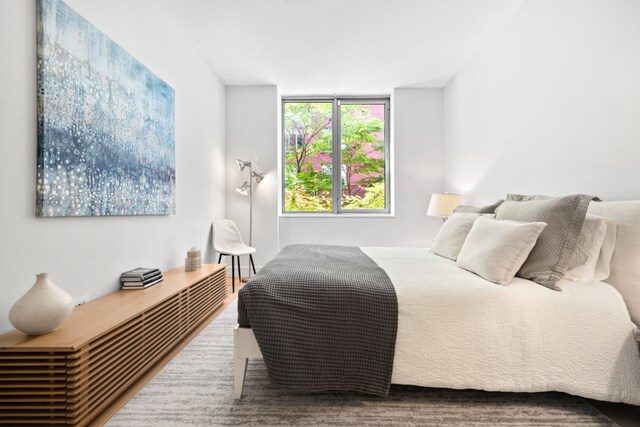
(42, 309)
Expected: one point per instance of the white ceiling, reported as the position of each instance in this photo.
(338, 46)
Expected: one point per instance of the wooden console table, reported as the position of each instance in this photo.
(74, 373)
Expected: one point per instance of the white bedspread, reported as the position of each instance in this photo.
(457, 330)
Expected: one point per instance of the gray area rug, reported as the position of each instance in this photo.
(195, 389)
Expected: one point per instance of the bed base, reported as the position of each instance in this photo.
(245, 346)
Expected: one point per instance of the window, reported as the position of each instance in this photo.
(335, 155)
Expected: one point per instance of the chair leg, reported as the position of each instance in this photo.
(219, 258)
(233, 274)
(253, 266)
(239, 271)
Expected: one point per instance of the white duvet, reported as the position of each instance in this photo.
(457, 330)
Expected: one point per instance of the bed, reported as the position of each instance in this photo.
(457, 330)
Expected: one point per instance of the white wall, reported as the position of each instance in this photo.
(417, 172)
(252, 134)
(86, 255)
(550, 105)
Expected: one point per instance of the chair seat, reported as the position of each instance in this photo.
(236, 250)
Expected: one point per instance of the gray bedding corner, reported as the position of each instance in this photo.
(325, 318)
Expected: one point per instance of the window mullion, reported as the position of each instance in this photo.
(336, 161)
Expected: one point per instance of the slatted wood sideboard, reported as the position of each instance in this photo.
(71, 375)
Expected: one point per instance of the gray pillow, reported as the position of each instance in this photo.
(479, 209)
(551, 256)
(524, 197)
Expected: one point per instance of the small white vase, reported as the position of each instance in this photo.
(42, 309)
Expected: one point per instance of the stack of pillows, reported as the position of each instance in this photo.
(540, 238)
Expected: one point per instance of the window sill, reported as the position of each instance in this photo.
(332, 215)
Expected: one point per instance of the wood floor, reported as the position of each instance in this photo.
(624, 415)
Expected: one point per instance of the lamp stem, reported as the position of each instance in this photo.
(250, 204)
(250, 210)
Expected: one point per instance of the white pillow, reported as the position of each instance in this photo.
(452, 235)
(625, 274)
(587, 250)
(603, 266)
(496, 249)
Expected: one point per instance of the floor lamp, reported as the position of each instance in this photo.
(246, 189)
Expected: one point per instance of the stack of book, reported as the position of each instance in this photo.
(140, 278)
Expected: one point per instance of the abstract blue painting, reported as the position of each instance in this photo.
(106, 131)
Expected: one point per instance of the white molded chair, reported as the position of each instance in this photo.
(228, 241)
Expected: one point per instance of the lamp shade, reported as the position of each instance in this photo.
(242, 164)
(259, 176)
(243, 189)
(443, 204)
